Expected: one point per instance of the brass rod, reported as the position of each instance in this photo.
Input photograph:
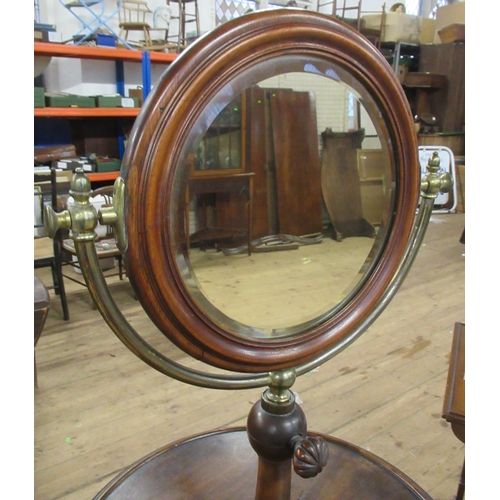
(414, 242)
(99, 291)
(127, 334)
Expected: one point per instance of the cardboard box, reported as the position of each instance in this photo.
(448, 15)
(398, 27)
(427, 30)
(137, 93)
(452, 33)
(74, 163)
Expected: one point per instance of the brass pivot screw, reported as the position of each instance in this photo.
(434, 181)
(81, 218)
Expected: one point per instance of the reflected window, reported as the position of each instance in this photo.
(225, 10)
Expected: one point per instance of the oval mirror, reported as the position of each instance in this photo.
(271, 183)
(298, 161)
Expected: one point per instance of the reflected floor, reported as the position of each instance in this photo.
(282, 288)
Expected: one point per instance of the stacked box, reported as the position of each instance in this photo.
(39, 97)
(108, 164)
(116, 101)
(447, 16)
(84, 101)
(106, 40)
(74, 163)
(69, 100)
(398, 27)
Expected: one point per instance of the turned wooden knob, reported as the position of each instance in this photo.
(310, 455)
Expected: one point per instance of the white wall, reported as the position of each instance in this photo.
(84, 77)
(94, 77)
(53, 12)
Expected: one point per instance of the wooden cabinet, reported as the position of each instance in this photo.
(448, 104)
(282, 151)
(272, 135)
(220, 151)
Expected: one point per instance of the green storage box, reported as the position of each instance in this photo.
(108, 164)
(39, 97)
(59, 101)
(69, 100)
(116, 101)
(84, 101)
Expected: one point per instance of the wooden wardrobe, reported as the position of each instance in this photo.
(281, 149)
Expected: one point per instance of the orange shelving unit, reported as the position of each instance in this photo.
(119, 55)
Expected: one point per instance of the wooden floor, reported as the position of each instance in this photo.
(98, 408)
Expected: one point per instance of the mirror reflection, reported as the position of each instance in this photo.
(286, 195)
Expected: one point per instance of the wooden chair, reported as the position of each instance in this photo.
(47, 251)
(107, 251)
(185, 16)
(342, 12)
(375, 35)
(133, 17)
(345, 13)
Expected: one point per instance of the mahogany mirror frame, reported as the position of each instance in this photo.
(154, 148)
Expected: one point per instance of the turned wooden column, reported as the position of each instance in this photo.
(277, 431)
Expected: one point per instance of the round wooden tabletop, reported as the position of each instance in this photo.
(221, 465)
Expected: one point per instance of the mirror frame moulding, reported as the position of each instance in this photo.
(158, 139)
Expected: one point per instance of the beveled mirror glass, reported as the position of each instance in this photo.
(276, 163)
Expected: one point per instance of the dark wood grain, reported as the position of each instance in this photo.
(259, 161)
(222, 465)
(454, 397)
(340, 183)
(298, 179)
(41, 310)
(447, 104)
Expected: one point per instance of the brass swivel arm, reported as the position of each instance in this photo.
(81, 220)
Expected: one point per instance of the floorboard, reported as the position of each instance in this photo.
(98, 408)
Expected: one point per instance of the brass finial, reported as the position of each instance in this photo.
(80, 188)
(81, 217)
(434, 181)
(434, 163)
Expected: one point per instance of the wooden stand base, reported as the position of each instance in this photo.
(221, 465)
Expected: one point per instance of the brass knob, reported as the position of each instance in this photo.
(434, 181)
(54, 221)
(115, 215)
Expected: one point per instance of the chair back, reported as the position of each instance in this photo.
(133, 11)
(103, 197)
